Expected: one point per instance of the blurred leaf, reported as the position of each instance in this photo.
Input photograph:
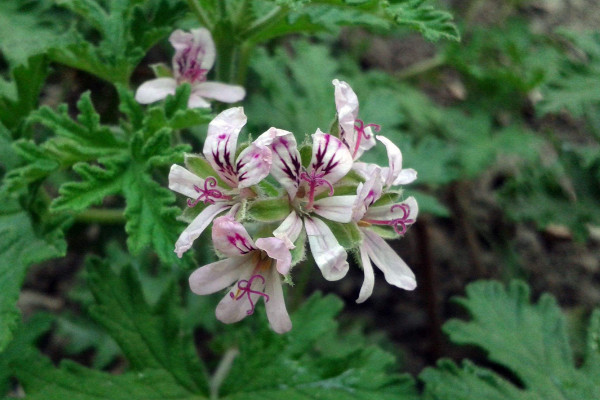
(528, 339)
(23, 242)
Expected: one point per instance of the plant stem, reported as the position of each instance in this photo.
(421, 67)
(200, 14)
(222, 371)
(263, 23)
(101, 216)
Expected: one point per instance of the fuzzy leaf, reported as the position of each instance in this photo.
(528, 339)
(22, 243)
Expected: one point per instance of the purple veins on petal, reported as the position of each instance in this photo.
(240, 242)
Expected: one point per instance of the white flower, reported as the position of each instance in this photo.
(357, 136)
(331, 161)
(374, 247)
(250, 167)
(255, 265)
(194, 57)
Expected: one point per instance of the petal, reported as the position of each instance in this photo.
(277, 250)
(231, 238)
(367, 287)
(331, 159)
(362, 169)
(335, 208)
(277, 314)
(253, 165)
(220, 91)
(367, 141)
(221, 142)
(238, 304)
(367, 193)
(395, 270)
(267, 138)
(183, 181)
(204, 40)
(346, 104)
(286, 165)
(395, 161)
(394, 211)
(194, 48)
(289, 230)
(217, 276)
(155, 90)
(196, 101)
(327, 252)
(191, 233)
(406, 176)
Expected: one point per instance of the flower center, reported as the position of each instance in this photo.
(314, 180)
(399, 224)
(207, 195)
(245, 288)
(189, 67)
(360, 133)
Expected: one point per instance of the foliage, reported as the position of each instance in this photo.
(529, 340)
(163, 361)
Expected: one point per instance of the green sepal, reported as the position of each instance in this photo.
(305, 155)
(299, 252)
(269, 210)
(161, 70)
(347, 235)
(200, 166)
(390, 197)
(385, 231)
(334, 127)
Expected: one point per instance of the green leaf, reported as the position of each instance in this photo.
(269, 209)
(149, 336)
(22, 243)
(528, 339)
(150, 216)
(312, 361)
(432, 23)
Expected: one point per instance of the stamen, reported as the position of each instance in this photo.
(360, 130)
(246, 289)
(206, 193)
(315, 180)
(399, 224)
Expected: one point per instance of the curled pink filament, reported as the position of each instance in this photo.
(399, 224)
(360, 130)
(207, 195)
(244, 287)
(315, 180)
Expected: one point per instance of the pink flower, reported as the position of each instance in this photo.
(331, 161)
(255, 266)
(238, 174)
(373, 247)
(357, 136)
(194, 57)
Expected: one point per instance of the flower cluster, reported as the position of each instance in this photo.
(323, 186)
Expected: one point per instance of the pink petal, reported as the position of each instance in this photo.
(183, 181)
(253, 165)
(220, 91)
(235, 305)
(327, 252)
(335, 208)
(289, 230)
(395, 270)
(346, 104)
(369, 282)
(277, 314)
(195, 101)
(277, 250)
(391, 212)
(287, 164)
(367, 193)
(331, 159)
(221, 142)
(406, 176)
(191, 233)
(155, 90)
(217, 276)
(194, 47)
(231, 238)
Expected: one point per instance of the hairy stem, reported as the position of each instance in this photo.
(222, 371)
(101, 216)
